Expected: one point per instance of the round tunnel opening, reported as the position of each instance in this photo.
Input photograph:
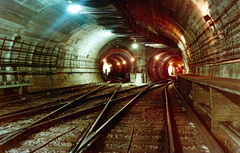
(117, 64)
(164, 65)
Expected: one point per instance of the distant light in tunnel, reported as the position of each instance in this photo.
(135, 45)
(170, 70)
(106, 68)
(74, 8)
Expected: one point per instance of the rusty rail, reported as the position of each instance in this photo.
(170, 133)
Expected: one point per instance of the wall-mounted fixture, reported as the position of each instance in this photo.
(209, 19)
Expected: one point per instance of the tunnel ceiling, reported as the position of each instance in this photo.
(196, 27)
(168, 22)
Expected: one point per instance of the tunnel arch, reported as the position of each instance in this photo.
(120, 60)
(197, 28)
(159, 62)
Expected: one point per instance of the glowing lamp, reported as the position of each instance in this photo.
(135, 45)
(74, 8)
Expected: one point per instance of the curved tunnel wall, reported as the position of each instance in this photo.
(207, 50)
(157, 64)
(76, 39)
(122, 60)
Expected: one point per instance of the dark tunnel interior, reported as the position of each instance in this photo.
(163, 65)
(117, 62)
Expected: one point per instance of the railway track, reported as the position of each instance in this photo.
(107, 118)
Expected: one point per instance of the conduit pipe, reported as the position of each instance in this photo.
(230, 130)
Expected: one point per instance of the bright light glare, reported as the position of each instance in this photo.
(135, 46)
(132, 59)
(118, 63)
(74, 8)
(104, 60)
(170, 70)
(124, 62)
(106, 68)
(107, 33)
(157, 57)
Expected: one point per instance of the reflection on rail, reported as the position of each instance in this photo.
(104, 117)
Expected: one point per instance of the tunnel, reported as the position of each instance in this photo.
(163, 65)
(117, 62)
(52, 44)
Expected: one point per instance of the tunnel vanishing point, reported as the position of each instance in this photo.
(47, 44)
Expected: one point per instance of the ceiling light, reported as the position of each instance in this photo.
(157, 57)
(107, 33)
(124, 62)
(118, 63)
(135, 45)
(132, 59)
(74, 8)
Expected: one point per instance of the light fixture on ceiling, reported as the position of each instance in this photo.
(209, 19)
(107, 33)
(135, 45)
(74, 8)
(132, 59)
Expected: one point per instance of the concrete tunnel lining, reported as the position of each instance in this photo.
(158, 62)
(49, 24)
(46, 47)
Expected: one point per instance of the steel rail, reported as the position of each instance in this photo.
(25, 100)
(50, 90)
(213, 146)
(15, 113)
(58, 120)
(104, 125)
(104, 109)
(97, 120)
(43, 145)
(169, 123)
(24, 111)
(8, 138)
(72, 115)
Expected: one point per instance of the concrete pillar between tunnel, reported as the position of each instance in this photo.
(201, 95)
(225, 110)
(133, 77)
(139, 78)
